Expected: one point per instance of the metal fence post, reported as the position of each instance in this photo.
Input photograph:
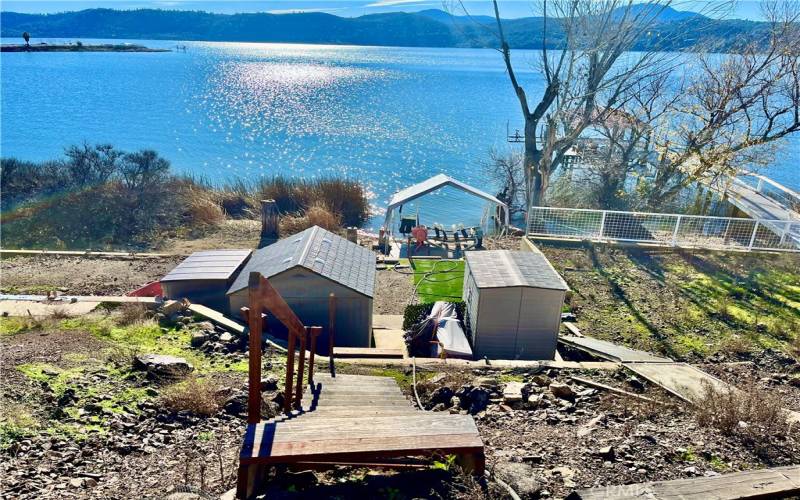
(753, 237)
(675, 231)
(602, 224)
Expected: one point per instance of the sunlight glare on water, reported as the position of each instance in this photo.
(388, 117)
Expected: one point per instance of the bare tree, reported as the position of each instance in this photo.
(732, 109)
(585, 80)
(505, 171)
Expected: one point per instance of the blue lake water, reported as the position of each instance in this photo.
(386, 116)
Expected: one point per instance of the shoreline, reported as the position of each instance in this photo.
(79, 48)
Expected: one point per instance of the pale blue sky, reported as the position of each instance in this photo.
(509, 8)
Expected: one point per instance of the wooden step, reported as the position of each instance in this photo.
(417, 434)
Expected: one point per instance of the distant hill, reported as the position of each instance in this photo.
(430, 28)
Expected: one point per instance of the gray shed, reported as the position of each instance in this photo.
(305, 269)
(513, 304)
(204, 277)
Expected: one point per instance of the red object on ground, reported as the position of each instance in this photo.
(152, 289)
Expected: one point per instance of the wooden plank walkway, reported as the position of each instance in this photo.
(611, 351)
(356, 419)
(66, 299)
(779, 482)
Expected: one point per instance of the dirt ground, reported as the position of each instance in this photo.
(79, 275)
(549, 446)
(392, 292)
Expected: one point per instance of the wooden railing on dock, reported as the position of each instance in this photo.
(264, 298)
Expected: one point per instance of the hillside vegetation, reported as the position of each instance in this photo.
(99, 197)
(431, 28)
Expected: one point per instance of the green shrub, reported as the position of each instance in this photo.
(414, 313)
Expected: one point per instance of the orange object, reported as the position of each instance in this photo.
(420, 234)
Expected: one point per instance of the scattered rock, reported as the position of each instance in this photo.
(565, 473)
(164, 366)
(198, 339)
(541, 380)
(269, 384)
(205, 326)
(606, 453)
(487, 382)
(226, 337)
(236, 404)
(562, 391)
(442, 396)
(520, 476)
(512, 392)
(635, 383)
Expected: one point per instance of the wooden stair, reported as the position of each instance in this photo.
(357, 420)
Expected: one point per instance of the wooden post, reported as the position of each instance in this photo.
(270, 220)
(298, 398)
(254, 370)
(352, 234)
(315, 331)
(287, 394)
(331, 332)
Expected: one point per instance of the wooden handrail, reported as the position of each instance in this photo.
(263, 296)
(331, 332)
(315, 331)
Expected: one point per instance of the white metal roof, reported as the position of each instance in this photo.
(437, 181)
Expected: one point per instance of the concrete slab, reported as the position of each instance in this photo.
(387, 321)
(611, 351)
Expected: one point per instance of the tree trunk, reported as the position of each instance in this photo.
(533, 176)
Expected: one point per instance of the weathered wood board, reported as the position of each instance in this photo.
(780, 482)
(682, 380)
(44, 309)
(611, 351)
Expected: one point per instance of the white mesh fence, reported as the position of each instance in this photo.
(724, 233)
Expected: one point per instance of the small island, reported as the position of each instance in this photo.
(78, 47)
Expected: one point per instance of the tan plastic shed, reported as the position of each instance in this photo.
(513, 304)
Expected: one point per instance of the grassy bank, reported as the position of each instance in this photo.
(681, 304)
(99, 197)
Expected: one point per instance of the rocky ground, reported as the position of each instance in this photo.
(88, 414)
(565, 435)
(82, 419)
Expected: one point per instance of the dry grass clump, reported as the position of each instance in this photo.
(201, 206)
(736, 346)
(316, 215)
(196, 395)
(297, 197)
(131, 314)
(59, 313)
(751, 414)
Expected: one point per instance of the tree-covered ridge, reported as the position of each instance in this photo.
(432, 28)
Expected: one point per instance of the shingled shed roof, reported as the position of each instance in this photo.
(504, 268)
(320, 251)
(208, 265)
